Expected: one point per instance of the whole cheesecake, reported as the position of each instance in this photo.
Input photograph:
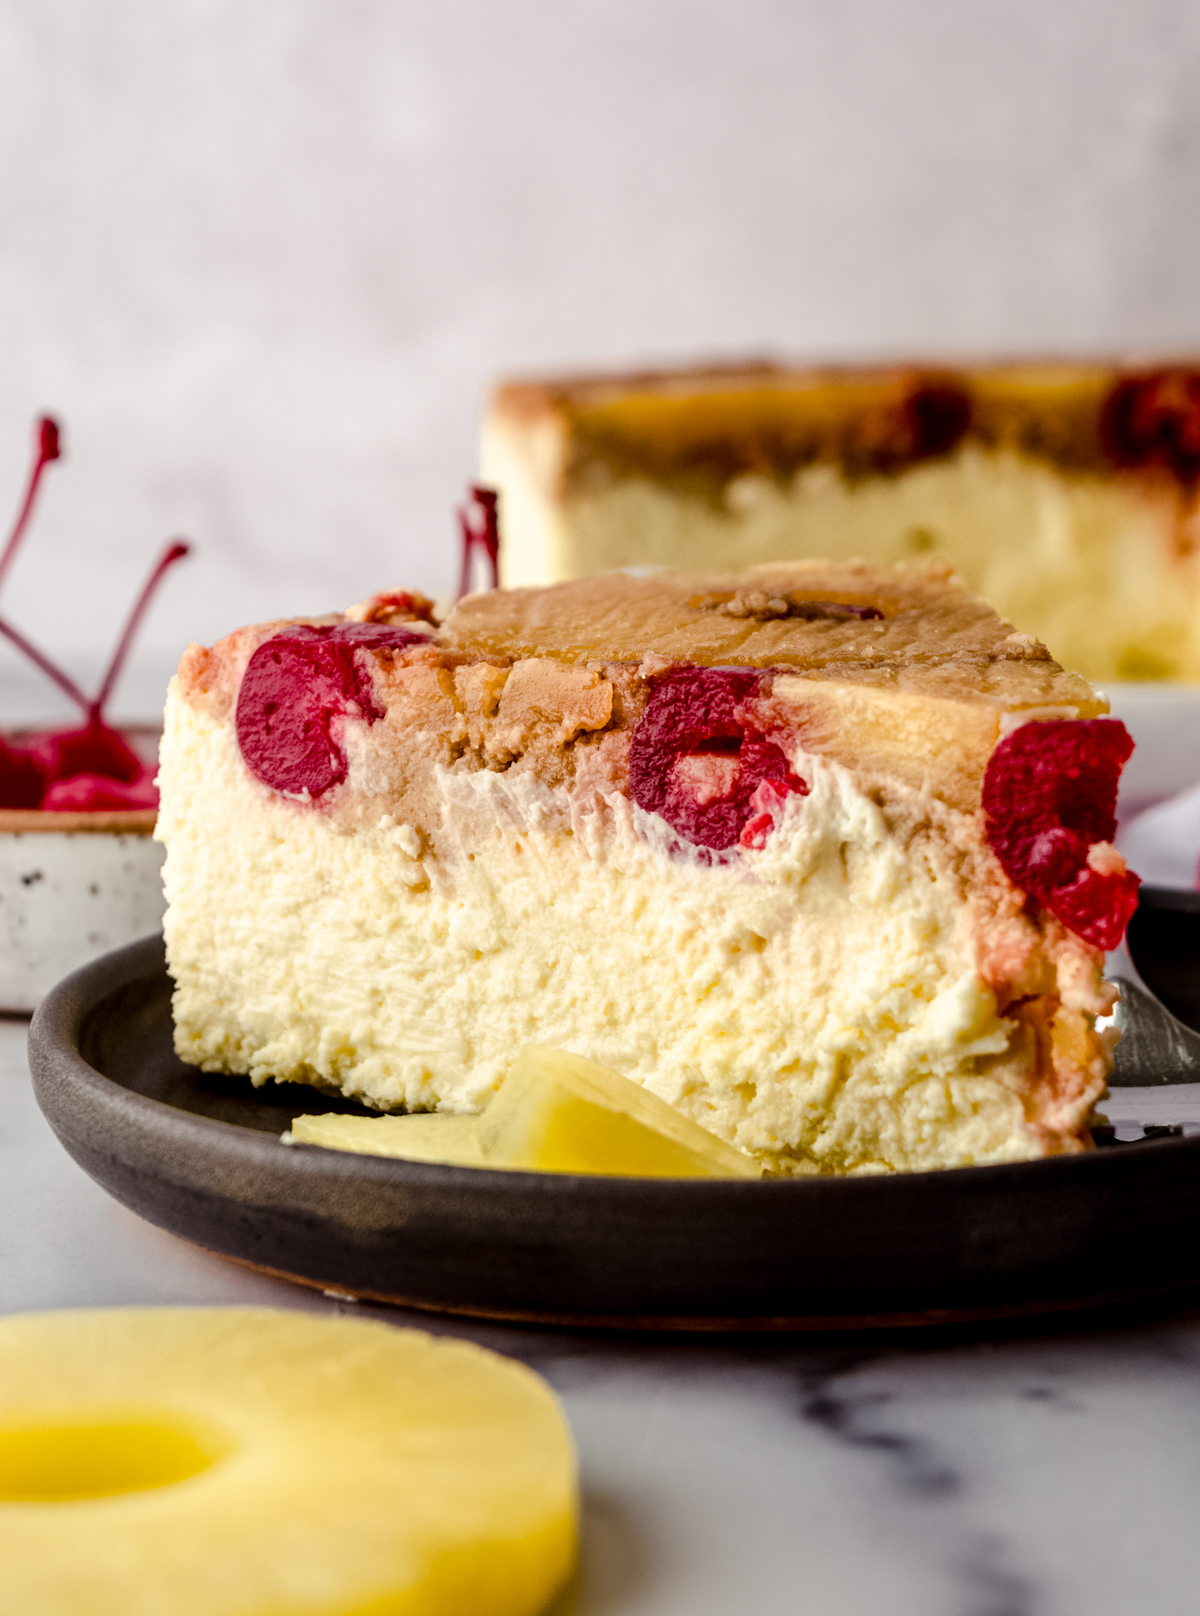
(1064, 493)
(818, 854)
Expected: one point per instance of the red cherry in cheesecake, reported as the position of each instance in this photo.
(1049, 796)
(938, 415)
(1153, 419)
(297, 689)
(696, 761)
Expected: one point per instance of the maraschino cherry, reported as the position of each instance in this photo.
(90, 767)
(479, 525)
(297, 689)
(1050, 800)
(302, 685)
(697, 762)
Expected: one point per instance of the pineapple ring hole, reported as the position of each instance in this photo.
(65, 1461)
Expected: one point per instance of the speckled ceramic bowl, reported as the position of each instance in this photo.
(73, 887)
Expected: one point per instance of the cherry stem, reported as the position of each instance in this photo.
(174, 552)
(49, 447)
(39, 659)
(480, 530)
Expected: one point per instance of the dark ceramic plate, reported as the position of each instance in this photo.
(200, 1156)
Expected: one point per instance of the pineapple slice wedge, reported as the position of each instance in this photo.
(425, 1136)
(560, 1113)
(256, 1462)
(553, 1113)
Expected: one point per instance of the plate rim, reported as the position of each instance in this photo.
(974, 1232)
(54, 1036)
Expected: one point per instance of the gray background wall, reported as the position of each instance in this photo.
(265, 258)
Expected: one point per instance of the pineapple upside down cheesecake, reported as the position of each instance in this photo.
(1066, 492)
(819, 853)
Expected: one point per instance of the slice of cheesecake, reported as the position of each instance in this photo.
(820, 854)
(1065, 494)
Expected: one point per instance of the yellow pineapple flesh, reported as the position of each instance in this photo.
(560, 1113)
(426, 1136)
(252, 1462)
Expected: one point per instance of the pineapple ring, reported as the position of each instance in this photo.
(254, 1462)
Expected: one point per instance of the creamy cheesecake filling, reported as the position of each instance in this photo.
(860, 991)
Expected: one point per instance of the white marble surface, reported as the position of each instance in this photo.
(1031, 1472)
